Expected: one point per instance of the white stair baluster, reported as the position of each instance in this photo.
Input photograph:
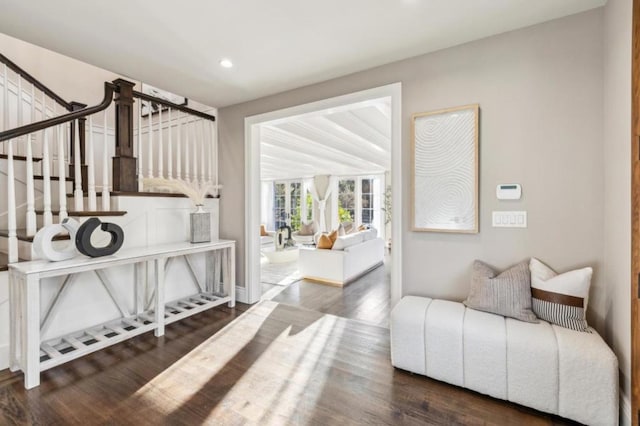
(47, 217)
(187, 176)
(214, 132)
(194, 138)
(140, 161)
(5, 99)
(78, 195)
(54, 139)
(203, 156)
(150, 153)
(170, 149)
(106, 197)
(20, 110)
(160, 147)
(62, 175)
(11, 206)
(179, 149)
(210, 151)
(31, 207)
(91, 178)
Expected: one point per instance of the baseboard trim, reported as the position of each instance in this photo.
(4, 357)
(241, 294)
(625, 410)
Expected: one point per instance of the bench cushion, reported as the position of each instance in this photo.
(543, 366)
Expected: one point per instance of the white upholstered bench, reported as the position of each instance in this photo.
(552, 369)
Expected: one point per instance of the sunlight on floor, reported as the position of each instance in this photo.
(286, 363)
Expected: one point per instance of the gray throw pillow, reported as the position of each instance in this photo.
(307, 229)
(507, 294)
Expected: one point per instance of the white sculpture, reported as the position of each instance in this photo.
(43, 241)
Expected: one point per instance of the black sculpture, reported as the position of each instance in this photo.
(83, 238)
(288, 241)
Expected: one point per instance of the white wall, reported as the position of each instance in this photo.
(540, 93)
(542, 101)
(616, 305)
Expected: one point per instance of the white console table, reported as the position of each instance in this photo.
(31, 355)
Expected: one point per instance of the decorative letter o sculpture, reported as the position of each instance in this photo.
(43, 241)
(83, 238)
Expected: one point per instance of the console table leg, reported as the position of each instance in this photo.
(31, 354)
(159, 309)
(14, 323)
(232, 276)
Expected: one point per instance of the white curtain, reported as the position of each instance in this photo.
(321, 200)
(266, 204)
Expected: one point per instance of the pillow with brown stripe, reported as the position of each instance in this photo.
(560, 299)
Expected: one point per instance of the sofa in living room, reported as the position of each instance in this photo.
(342, 260)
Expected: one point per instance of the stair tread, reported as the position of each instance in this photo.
(40, 177)
(20, 158)
(143, 194)
(22, 235)
(4, 261)
(88, 213)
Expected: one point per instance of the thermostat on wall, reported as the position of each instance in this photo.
(509, 191)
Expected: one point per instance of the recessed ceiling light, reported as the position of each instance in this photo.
(226, 63)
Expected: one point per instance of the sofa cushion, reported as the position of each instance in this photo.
(560, 299)
(263, 230)
(370, 234)
(507, 294)
(348, 241)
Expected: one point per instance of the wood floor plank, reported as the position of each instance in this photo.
(271, 363)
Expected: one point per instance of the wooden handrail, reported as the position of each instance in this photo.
(170, 104)
(31, 79)
(109, 89)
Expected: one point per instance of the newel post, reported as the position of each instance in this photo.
(124, 163)
(77, 106)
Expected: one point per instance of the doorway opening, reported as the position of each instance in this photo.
(297, 176)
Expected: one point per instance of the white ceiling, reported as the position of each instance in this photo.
(351, 140)
(275, 45)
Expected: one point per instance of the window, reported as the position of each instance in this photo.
(367, 201)
(286, 204)
(309, 201)
(359, 200)
(346, 200)
(279, 204)
(295, 190)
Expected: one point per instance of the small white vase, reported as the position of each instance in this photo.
(200, 226)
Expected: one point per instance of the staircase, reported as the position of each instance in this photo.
(63, 159)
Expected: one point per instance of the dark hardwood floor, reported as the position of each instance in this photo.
(317, 356)
(275, 364)
(365, 299)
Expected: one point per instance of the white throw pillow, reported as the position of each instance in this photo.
(560, 299)
(347, 241)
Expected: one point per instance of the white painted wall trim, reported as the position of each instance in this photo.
(241, 294)
(4, 357)
(252, 180)
(625, 409)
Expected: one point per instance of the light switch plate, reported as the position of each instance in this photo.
(509, 219)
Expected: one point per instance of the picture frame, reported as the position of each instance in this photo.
(162, 94)
(445, 181)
